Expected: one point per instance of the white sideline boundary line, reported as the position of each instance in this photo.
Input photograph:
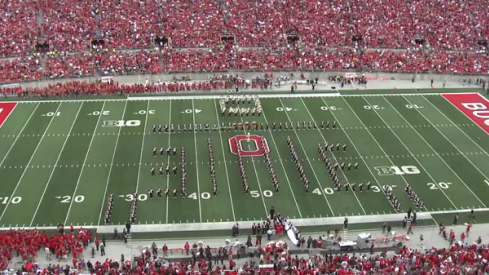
(182, 97)
(208, 226)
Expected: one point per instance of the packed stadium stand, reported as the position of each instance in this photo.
(76, 251)
(53, 39)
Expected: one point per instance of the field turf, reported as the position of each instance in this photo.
(60, 160)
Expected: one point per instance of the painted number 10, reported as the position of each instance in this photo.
(15, 200)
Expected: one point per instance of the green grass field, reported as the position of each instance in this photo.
(60, 160)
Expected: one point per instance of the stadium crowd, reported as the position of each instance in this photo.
(264, 258)
(151, 62)
(69, 27)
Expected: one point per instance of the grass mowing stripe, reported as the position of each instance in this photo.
(307, 157)
(110, 169)
(225, 161)
(459, 195)
(427, 141)
(281, 163)
(392, 148)
(18, 135)
(324, 139)
(353, 144)
(455, 148)
(456, 126)
(29, 162)
(56, 163)
(196, 162)
(413, 155)
(142, 146)
(465, 123)
(168, 161)
(84, 163)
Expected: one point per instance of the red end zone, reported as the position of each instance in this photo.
(475, 106)
(6, 109)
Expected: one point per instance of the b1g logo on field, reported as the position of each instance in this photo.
(397, 170)
(243, 140)
(121, 123)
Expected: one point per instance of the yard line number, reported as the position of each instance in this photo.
(97, 113)
(52, 114)
(372, 107)
(438, 185)
(67, 199)
(330, 108)
(330, 191)
(414, 106)
(14, 200)
(143, 112)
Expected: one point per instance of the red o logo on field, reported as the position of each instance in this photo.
(259, 150)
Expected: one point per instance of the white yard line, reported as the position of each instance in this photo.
(358, 152)
(196, 162)
(168, 161)
(30, 160)
(224, 157)
(457, 150)
(310, 164)
(17, 137)
(217, 96)
(142, 146)
(256, 174)
(324, 139)
(283, 167)
(407, 148)
(110, 169)
(56, 163)
(83, 165)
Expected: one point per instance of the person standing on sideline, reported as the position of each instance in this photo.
(128, 227)
(165, 250)
(410, 228)
(421, 239)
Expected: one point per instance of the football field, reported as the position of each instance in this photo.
(61, 160)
